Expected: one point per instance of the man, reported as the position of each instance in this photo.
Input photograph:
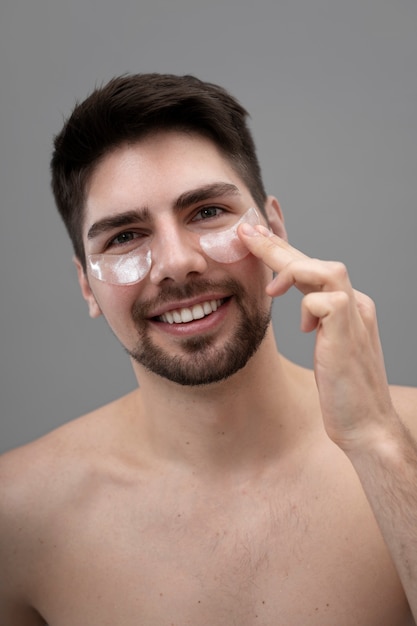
(233, 486)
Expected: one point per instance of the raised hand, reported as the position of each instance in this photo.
(348, 360)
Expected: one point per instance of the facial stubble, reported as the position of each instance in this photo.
(201, 361)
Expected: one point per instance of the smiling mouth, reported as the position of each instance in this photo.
(189, 314)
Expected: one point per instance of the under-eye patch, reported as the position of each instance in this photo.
(121, 269)
(223, 246)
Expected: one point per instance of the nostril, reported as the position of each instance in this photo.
(176, 261)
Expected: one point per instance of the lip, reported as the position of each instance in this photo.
(185, 304)
(195, 327)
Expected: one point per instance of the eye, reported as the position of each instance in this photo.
(124, 238)
(207, 212)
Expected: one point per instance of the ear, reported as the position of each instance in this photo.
(275, 217)
(93, 308)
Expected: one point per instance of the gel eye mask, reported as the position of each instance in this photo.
(121, 269)
(223, 246)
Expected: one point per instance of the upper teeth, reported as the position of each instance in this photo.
(196, 312)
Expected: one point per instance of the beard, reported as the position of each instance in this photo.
(201, 361)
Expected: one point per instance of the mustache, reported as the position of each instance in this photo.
(170, 293)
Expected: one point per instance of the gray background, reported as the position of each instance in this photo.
(331, 86)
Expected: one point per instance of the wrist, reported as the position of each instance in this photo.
(391, 443)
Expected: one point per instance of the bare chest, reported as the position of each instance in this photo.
(254, 558)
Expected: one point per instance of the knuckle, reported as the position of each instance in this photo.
(270, 244)
(368, 308)
(340, 299)
(338, 269)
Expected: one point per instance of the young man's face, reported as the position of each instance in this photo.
(167, 190)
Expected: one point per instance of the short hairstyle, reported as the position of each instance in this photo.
(127, 109)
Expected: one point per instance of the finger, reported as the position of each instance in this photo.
(367, 309)
(311, 275)
(332, 309)
(274, 251)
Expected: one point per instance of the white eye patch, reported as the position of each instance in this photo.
(121, 269)
(223, 246)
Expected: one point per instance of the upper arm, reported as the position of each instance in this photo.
(15, 608)
(12, 613)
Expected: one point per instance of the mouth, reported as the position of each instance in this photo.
(189, 314)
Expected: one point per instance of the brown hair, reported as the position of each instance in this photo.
(132, 106)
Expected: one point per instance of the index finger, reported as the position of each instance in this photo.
(274, 251)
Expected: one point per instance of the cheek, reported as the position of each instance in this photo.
(253, 275)
(257, 269)
(115, 302)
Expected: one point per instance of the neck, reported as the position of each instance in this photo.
(256, 414)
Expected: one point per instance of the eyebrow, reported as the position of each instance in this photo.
(207, 192)
(117, 221)
(186, 199)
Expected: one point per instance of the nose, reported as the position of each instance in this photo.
(176, 253)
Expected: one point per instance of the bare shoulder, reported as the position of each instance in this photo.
(27, 477)
(41, 484)
(31, 475)
(44, 477)
(61, 457)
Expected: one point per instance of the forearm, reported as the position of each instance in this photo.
(355, 399)
(388, 473)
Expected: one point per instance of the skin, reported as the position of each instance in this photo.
(271, 497)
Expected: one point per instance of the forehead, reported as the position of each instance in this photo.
(153, 172)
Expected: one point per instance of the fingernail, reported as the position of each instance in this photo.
(265, 231)
(248, 230)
